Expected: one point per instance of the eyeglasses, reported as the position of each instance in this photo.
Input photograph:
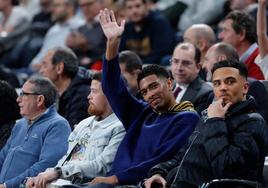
(183, 62)
(22, 93)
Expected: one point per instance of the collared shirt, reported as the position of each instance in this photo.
(181, 93)
(247, 53)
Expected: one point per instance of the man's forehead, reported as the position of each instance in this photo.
(147, 80)
(225, 72)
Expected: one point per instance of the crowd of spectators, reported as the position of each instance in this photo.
(133, 93)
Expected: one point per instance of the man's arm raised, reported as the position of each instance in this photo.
(112, 30)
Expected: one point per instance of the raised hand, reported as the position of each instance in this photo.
(110, 27)
(262, 1)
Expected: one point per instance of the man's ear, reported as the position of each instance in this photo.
(170, 84)
(60, 67)
(245, 88)
(40, 100)
(242, 35)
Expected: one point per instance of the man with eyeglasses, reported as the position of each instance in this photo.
(155, 130)
(39, 139)
(185, 67)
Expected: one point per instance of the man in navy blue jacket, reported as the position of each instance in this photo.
(39, 139)
(155, 129)
(142, 33)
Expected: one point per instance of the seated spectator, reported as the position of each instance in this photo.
(238, 30)
(185, 67)
(88, 40)
(249, 6)
(262, 37)
(65, 21)
(160, 117)
(39, 139)
(60, 65)
(202, 36)
(7, 75)
(231, 140)
(12, 17)
(9, 111)
(20, 56)
(92, 144)
(200, 12)
(130, 66)
(142, 35)
(223, 51)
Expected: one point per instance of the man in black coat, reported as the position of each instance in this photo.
(222, 51)
(231, 140)
(60, 65)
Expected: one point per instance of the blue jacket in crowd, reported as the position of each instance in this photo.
(32, 149)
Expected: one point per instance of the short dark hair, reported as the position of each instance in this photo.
(45, 87)
(97, 76)
(9, 108)
(131, 60)
(243, 21)
(153, 69)
(228, 50)
(68, 57)
(241, 67)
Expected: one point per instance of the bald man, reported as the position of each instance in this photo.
(202, 36)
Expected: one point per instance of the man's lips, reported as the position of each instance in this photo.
(154, 100)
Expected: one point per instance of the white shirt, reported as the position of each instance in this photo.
(181, 93)
(263, 64)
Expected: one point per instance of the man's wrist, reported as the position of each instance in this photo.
(58, 171)
(115, 179)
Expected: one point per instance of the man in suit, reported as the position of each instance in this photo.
(189, 86)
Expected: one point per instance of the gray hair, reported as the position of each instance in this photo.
(68, 57)
(45, 87)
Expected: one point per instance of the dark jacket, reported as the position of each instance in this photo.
(258, 91)
(150, 44)
(230, 147)
(198, 93)
(5, 131)
(73, 102)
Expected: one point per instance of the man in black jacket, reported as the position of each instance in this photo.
(231, 141)
(60, 65)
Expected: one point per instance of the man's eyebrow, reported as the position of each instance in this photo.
(229, 77)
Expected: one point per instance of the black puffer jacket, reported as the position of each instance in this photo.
(73, 102)
(234, 147)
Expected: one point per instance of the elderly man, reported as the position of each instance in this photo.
(60, 65)
(238, 30)
(39, 139)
